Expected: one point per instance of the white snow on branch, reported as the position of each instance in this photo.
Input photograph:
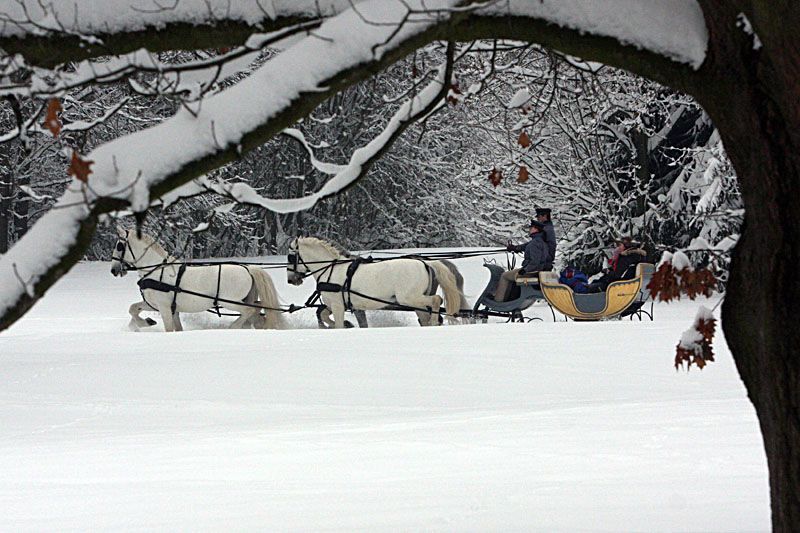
(242, 192)
(325, 168)
(33, 194)
(672, 28)
(692, 338)
(87, 17)
(743, 22)
(520, 98)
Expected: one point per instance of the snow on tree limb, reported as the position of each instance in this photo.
(419, 106)
(322, 166)
(672, 28)
(49, 33)
(86, 28)
(171, 77)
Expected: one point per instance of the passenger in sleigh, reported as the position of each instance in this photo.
(622, 265)
(536, 259)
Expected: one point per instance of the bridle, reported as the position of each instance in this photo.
(295, 259)
(122, 246)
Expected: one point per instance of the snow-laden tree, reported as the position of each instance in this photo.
(740, 59)
(612, 153)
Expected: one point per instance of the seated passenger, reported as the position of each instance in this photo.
(575, 280)
(622, 265)
(536, 257)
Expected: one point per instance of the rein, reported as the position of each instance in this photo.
(346, 289)
(293, 262)
(433, 256)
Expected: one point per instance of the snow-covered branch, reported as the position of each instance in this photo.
(51, 33)
(416, 108)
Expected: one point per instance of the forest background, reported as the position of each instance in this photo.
(610, 152)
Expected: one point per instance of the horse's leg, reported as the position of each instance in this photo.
(337, 308)
(419, 302)
(176, 319)
(324, 318)
(245, 318)
(259, 321)
(167, 318)
(252, 315)
(361, 318)
(437, 304)
(324, 315)
(136, 320)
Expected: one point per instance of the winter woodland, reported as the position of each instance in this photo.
(227, 128)
(610, 152)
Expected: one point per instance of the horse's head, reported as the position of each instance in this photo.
(296, 269)
(122, 258)
(135, 250)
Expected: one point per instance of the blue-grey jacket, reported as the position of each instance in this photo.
(536, 254)
(550, 237)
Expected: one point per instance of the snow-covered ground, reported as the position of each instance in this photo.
(542, 426)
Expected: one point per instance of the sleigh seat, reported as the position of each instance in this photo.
(617, 298)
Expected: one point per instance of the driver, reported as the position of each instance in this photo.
(536, 259)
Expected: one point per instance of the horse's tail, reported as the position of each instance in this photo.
(268, 298)
(459, 282)
(452, 295)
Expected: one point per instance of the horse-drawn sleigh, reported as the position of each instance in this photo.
(622, 298)
(347, 282)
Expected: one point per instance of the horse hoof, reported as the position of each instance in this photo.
(348, 324)
(150, 321)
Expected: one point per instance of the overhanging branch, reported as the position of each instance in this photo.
(53, 49)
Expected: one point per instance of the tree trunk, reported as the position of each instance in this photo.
(760, 306)
(752, 95)
(6, 211)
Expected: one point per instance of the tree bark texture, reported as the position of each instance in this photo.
(753, 97)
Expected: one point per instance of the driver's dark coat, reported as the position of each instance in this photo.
(536, 254)
(550, 240)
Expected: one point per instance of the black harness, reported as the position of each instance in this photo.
(161, 286)
(148, 283)
(345, 289)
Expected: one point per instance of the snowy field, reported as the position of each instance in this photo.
(505, 427)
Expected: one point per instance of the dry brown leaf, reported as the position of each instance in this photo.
(665, 285)
(495, 177)
(524, 140)
(79, 168)
(52, 118)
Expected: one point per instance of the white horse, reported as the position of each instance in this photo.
(403, 281)
(208, 285)
(324, 313)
